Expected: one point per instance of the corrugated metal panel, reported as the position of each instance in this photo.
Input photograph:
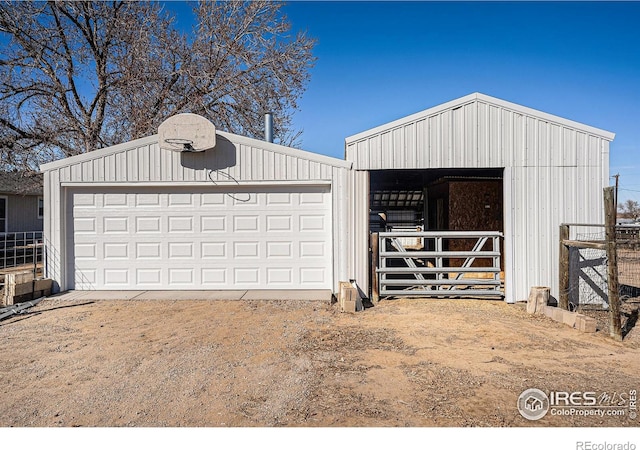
(149, 163)
(358, 220)
(341, 230)
(543, 198)
(475, 134)
(53, 227)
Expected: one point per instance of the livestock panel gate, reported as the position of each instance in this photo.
(428, 267)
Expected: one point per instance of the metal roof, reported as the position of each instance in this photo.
(257, 143)
(487, 99)
(20, 183)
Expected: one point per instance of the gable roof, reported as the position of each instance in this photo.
(477, 96)
(237, 139)
(20, 183)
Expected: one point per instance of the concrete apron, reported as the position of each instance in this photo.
(320, 295)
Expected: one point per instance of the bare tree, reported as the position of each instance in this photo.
(77, 76)
(630, 209)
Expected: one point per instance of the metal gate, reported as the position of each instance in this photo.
(442, 264)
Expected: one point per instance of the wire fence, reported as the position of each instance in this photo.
(588, 269)
(21, 250)
(628, 256)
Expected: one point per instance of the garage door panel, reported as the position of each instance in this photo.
(279, 250)
(180, 224)
(85, 225)
(245, 200)
(148, 276)
(148, 250)
(84, 200)
(311, 198)
(213, 250)
(312, 223)
(86, 251)
(182, 276)
(215, 277)
(246, 223)
(279, 223)
(279, 198)
(309, 275)
(180, 199)
(147, 200)
(213, 223)
(313, 249)
(150, 224)
(116, 277)
(115, 251)
(212, 199)
(280, 275)
(248, 250)
(181, 250)
(246, 276)
(194, 238)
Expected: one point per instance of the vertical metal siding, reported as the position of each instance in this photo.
(53, 227)
(475, 134)
(358, 221)
(509, 205)
(544, 197)
(604, 161)
(342, 234)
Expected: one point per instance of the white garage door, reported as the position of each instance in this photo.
(201, 238)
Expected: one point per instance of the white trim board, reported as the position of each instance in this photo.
(196, 183)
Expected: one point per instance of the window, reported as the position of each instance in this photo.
(3, 214)
(40, 207)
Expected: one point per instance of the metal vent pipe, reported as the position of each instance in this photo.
(268, 126)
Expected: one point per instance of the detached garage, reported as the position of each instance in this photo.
(242, 214)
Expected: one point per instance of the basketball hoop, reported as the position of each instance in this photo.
(187, 132)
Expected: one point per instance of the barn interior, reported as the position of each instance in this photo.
(437, 200)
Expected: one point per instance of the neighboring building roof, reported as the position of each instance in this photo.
(486, 99)
(21, 183)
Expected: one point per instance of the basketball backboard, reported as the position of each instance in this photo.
(187, 132)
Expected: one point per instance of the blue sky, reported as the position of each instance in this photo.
(380, 61)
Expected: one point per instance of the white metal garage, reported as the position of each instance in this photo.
(254, 237)
(244, 214)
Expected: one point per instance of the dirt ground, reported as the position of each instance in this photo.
(402, 363)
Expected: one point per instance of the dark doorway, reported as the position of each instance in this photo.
(436, 199)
